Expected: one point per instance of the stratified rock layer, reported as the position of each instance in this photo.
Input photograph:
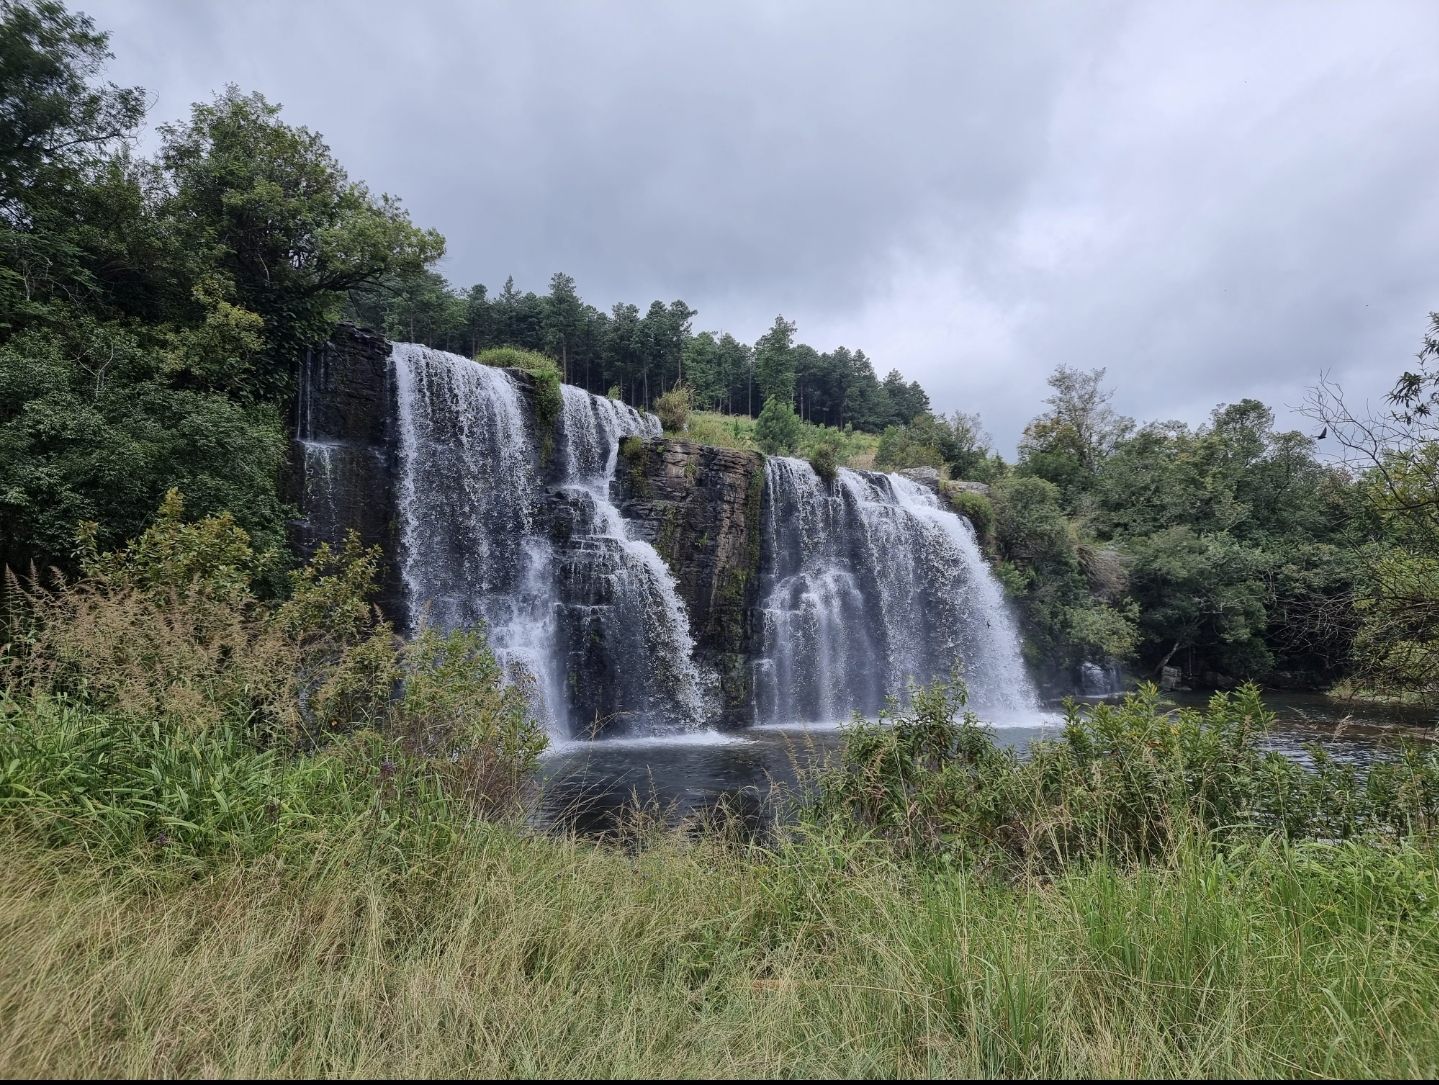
(342, 456)
(700, 508)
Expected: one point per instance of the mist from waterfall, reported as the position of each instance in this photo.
(870, 586)
(570, 603)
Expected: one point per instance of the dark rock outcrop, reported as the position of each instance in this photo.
(342, 455)
(700, 508)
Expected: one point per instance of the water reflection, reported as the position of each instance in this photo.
(593, 787)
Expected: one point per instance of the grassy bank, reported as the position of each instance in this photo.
(511, 955)
(854, 448)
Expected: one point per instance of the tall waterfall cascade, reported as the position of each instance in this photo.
(634, 586)
(871, 585)
(497, 529)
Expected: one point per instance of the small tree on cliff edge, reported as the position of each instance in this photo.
(777, 430)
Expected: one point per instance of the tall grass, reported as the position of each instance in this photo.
(509, 955)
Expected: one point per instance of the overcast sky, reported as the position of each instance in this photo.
(1212, 200)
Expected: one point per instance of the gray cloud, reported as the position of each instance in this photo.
(1212, 200)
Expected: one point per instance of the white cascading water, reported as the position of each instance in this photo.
(568, 599)
(470, 554)
(871, 585)
(622, 591)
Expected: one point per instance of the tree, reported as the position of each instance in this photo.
(1393, 454)
(563, 319)
(58, 121)
(1071, 610)
(1202, 592)
(60, 129)
(777, 430)
(282, 228)
(906, 400)
(774, 361)
(1066, 444)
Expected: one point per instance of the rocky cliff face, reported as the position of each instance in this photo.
(341, 458)
(700, 508)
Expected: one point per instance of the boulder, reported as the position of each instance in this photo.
(925, 476)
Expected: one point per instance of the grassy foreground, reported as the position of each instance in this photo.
(508, 954)
(243, 836)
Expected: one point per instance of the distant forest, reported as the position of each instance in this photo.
(641, 354)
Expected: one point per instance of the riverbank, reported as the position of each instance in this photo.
(507, 954)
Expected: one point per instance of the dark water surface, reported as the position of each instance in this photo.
(594, 786)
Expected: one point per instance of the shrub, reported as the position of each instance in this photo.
(901, 447)
(460, 716)
(159, 694)
(1125, 782)
(825, 458)
(169, 629)
(674, 408)
(974, 507)
(777, 430)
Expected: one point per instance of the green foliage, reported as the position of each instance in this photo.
(1221, 543)
(159, 696)
(151, 311)
(825, 457)
(549, 400)
(91, 431)
(901, 447)
(777, 430)
(674, 408)
(774, 362)
(1393, 555)
(929, 440)
(289, 232)
(974, 507)
(1062, 602)
(1127, 782)
(474, 731)
(1066, 444)
(1205, 591)
(60, 128)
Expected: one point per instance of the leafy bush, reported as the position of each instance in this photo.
(674, 408)
(975, 507)
(1125, 782)
(824, 458)
(459, 716)
(1068, 589)
(158, 697)
(170, 630)
(902, 447)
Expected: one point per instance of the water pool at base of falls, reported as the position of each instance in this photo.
(594, 788)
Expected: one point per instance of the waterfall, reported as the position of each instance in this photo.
(570, 603)
(621, 596)
(871, 584)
